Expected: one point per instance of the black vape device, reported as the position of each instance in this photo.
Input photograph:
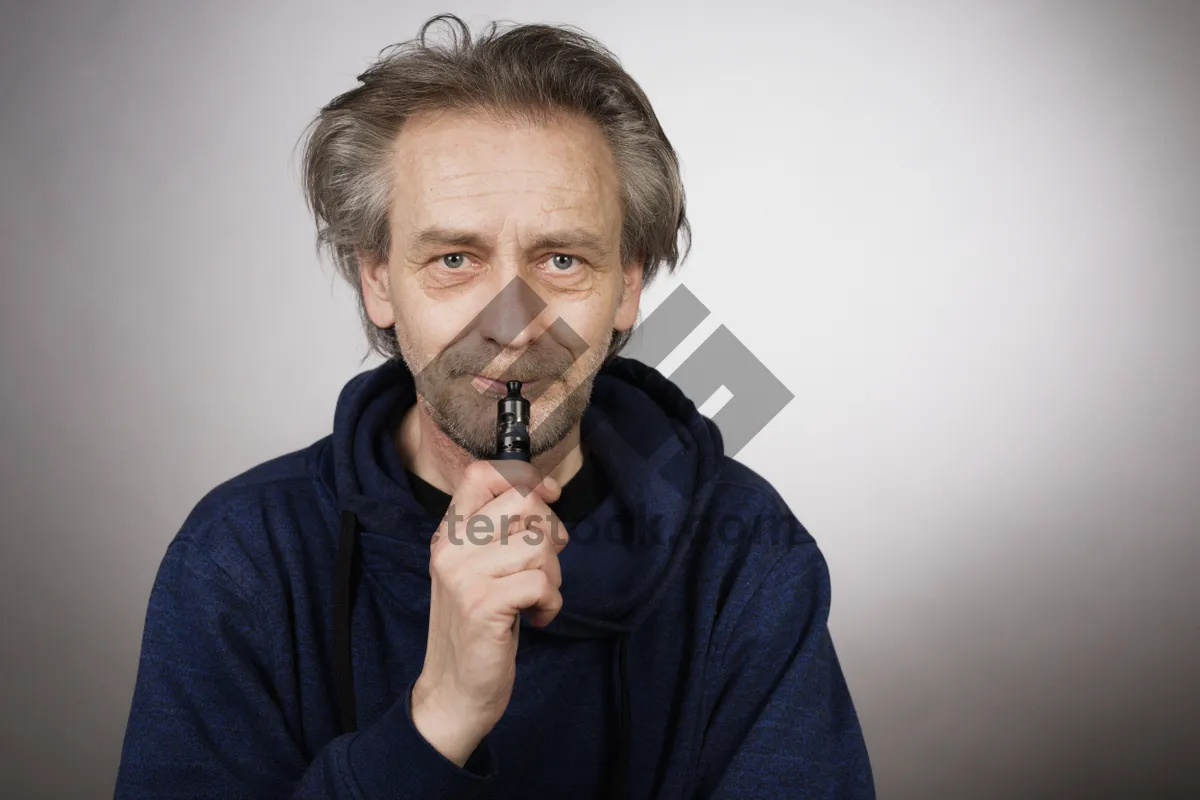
(512, 425)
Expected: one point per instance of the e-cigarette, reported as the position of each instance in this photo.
(512, 425)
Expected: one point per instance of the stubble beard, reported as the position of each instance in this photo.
(467, 416)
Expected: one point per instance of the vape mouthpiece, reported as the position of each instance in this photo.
(512, 425)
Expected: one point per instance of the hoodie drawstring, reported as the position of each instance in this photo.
(343, 601)
(344, 579)
(618, 790)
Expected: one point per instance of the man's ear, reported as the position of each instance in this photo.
(376, 288)
(631, 295)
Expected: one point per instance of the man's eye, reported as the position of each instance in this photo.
(558, 261)
(453, 260)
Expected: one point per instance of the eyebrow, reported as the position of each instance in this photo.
(574, 238)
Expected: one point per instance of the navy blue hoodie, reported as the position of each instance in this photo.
(691, 658)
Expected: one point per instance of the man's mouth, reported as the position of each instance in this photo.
(498, 386)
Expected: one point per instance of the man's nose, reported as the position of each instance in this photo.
(511, 318)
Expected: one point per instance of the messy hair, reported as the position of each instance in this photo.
(526, 72)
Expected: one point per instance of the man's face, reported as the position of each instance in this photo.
(504, 264)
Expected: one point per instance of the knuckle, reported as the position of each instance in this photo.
(478, 472)
(531, 503)
(553, 571)
(553, 531)
(439, 557)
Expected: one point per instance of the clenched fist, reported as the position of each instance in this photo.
(494, 556)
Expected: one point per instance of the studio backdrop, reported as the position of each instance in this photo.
(965, 237)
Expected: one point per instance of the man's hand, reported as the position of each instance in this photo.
(482, 577)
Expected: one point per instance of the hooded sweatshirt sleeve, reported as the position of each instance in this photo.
(783, 725)
(207, 719)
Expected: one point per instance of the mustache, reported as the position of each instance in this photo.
(532, 364)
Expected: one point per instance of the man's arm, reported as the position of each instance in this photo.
(206, 720)
(783, 725)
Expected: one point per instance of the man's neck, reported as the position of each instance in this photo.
(436, 459)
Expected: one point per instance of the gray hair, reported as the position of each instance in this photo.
(527, 72)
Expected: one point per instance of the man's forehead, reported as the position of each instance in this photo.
(457, 155)
(448, 217)
(464, 189)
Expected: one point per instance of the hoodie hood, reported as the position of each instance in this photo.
(659, 454)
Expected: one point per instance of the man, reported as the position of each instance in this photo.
(393, 613)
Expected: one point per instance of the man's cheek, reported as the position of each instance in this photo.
(427, 333)
(587, 324)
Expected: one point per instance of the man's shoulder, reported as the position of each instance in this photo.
(747, 531)
(760, 559)
(743, 495)
(249, 522)
(296, 471)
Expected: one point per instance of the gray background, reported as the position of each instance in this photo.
(967, 236)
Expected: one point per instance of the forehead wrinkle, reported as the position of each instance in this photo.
(537, 181)
(572, 182)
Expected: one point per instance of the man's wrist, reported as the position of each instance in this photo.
(444, 731)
